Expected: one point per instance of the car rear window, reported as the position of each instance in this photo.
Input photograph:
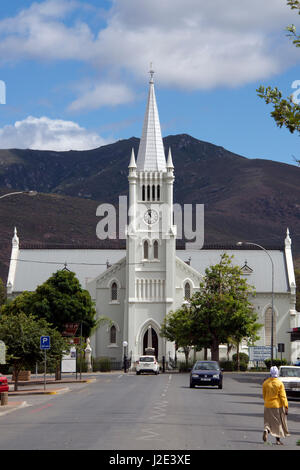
(147, 359)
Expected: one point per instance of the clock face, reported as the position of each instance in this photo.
(150, 216)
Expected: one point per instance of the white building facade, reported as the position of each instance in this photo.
(143, 283)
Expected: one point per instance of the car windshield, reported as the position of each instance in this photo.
(147, 359)
(290, 372)
(206, 366)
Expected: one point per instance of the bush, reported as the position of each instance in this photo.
(243, 358)
(182, 367)
(102, 364)
(230, 366)
(5, 369)
(276, 362)
(227, 366)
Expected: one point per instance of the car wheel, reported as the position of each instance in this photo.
(220, 386)
(138, 373)
(192, 385)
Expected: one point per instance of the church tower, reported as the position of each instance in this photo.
(151, 238)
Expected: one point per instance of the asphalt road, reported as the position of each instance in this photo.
(128, 412)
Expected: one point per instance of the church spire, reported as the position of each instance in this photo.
(151, 154)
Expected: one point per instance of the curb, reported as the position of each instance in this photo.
(38, 392)
(4, 410)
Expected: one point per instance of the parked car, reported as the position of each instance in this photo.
(147, 364)
(206, 373)
(3, 384)
(290, 376)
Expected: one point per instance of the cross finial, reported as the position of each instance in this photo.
(151, 71)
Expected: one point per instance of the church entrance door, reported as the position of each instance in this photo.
(154, 342)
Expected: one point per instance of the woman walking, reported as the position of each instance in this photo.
(276, 407)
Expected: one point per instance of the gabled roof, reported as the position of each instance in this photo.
(151, 154)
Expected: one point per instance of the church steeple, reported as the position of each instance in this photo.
(151, 154)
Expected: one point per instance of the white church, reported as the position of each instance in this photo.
(138, 286)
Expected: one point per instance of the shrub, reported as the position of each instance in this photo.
(182, 367)
(243, 358)
(102, 364)
(227, 366)
(243, 366)
(276, 362)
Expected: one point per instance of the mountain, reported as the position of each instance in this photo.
(245, 199)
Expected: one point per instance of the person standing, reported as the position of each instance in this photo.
(275, 407)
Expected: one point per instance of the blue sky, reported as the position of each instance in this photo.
(76, 72)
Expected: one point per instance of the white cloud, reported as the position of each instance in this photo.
(194, 44)
(101, 94)
(49, 134)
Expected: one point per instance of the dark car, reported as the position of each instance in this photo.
(206, 373)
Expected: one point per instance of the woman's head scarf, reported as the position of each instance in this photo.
(274, 372)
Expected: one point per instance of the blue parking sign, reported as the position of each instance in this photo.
(45, 342)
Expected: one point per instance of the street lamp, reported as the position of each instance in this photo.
(272, 308)
(125, 344)
(29, 193)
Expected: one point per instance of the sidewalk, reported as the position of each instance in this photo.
(36, 386)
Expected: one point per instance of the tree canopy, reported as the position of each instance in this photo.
(286, 112)
(59, 300)
(219, 311)
(21, 334)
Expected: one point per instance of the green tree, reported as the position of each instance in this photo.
(59, 300)
(21, 334)
(285, 111)
(222, 308)
(178, 328)
(2, 293)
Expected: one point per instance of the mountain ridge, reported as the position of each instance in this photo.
(244, 198)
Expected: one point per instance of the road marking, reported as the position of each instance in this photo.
(149, 435)
(41, 408)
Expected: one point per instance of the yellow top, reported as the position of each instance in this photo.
(274, 393)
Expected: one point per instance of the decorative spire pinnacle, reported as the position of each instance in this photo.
(170, 161)
(132, 163)
(151, 71)
(288, 241)
(151, 154)
(15, 239)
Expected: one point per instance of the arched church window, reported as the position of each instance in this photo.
(153, 193)
(148, 193)
(114, 291)
(143, 193)
(158, 192)
(268, 327)
(146, 250)
(113, 335)
(187, 290)
(155, 249)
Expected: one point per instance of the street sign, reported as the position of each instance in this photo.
(45, 342)
(68, 363)
(260, 353)
(70, 329)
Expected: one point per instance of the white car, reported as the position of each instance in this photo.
(147, 364)
(290, 376)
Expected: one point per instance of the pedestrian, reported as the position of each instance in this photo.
(276, 407)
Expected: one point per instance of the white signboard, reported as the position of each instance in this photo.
(68, 363)
(260, 353)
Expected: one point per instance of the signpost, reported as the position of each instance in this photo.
(260, 353)
(45, 345)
